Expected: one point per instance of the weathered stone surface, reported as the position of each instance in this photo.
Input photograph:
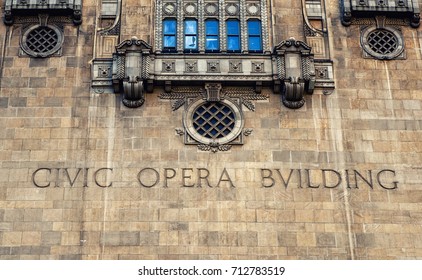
(338, 178)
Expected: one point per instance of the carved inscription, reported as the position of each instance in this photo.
(190, 177)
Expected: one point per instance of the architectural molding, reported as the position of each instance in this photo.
(24, 8)
(352, 9)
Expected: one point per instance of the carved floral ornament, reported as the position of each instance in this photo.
(213, 117)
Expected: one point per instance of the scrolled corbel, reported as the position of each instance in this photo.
(296, 72)
(130, 71)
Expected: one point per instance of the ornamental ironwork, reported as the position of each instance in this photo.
(42, 41)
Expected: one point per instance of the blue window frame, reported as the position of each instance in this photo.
(233, 35)
(191, 35)
(212, 43)
(254, 36)
(169, 34)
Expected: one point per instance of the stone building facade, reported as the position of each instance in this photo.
(210, 129)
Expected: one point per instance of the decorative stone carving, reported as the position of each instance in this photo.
(296, 71)
(352, 10)
(19, 8)
(257, 67)
(190, 9)
(131, 70)
(213, 117)
(42, 40)
(213, 66)
(235, 66)
(232, 9)
(382, 42)
(191, 66)
(169, 66)
(211, 9)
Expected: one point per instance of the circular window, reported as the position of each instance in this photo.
(213, 120)
(42, 41)
(209, 122)
(382, 43)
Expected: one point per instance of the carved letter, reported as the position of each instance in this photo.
(35, 174)
(71, 182)
(348, 179)
(157, 177)
(166, 176)
(184, 177)
(200, 177)
(324, 178)
(309, 180)
(286, 184)
(269, 177)
(226, 180)
(299, 173)
(369, 182)
(86, 177)
(395, 183)
(96, 177)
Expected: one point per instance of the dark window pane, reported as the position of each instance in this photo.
(233, 35)
(190, 42)
(254, 35)
(212, 43)
(233, 43)
(255, 43)
(190, 27)
(211, 27)
(169, 41)
(211, 35)
(169, 26)
(233, 27)
(254, 27)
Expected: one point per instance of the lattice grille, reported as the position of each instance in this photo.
(382, 42)
(42, 40)
(214, 120)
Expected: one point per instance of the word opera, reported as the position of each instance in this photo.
(149, 177)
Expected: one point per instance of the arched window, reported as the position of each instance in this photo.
(212, 43)
(191, 35)
(254, 35)
(169, 34)
(233, 35)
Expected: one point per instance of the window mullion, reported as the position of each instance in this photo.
(180, 26)
(159, 25)
(201, 26)
(264, 26)
(222, 22)
(243, 27)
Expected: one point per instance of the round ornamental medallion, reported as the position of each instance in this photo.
(382, 43)
(190, 9)
(41, 41)
(232, 9)
(169, 9)
(211, 9)
(253, 9)
(213, 122)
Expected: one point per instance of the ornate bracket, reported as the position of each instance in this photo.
(295, 71)
(131, 70)
(352, 10)
(13, 8)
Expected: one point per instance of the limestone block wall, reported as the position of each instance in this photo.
(84, 177)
